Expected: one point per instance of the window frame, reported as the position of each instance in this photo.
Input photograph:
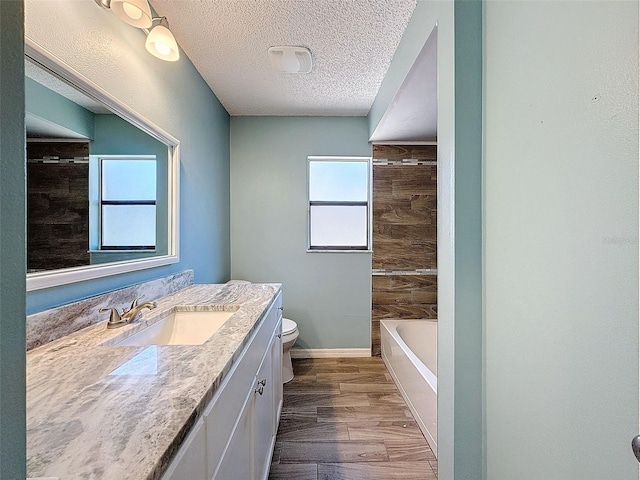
(102, 202)
(340, 248)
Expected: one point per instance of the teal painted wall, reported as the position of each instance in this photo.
(561, 239)
(48, 105)
(468, 346)
(12, 244)
(327, 294)
(174, 97)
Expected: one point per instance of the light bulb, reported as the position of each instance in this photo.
(162, 48)
(162, 44)
(134, 12)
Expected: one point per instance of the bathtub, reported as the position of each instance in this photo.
(409, 350)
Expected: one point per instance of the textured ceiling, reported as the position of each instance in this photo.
(352, 43)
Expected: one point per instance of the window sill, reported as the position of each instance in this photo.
(122, 251)
(339, 251)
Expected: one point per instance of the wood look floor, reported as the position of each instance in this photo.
(344, 419)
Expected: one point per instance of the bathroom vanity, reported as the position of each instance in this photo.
(98, 407)
(235, 436)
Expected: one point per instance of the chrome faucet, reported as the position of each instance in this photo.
(118, 320)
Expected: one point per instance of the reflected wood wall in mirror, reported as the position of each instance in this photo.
(57, 205)
(74, 130)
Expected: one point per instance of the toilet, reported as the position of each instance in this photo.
(289, 337)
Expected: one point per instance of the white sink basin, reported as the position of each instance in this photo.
(180, 328)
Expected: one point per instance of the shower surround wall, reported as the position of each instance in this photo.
(404, 275)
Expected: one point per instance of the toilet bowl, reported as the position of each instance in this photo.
(289, 336)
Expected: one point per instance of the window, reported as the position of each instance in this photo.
(127, 203)
(338, 203)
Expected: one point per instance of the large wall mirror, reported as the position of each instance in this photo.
(102, 182)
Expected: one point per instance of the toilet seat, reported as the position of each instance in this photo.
(288, 326)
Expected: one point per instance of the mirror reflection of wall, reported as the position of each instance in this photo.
(75, 216)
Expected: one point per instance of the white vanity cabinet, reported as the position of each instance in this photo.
(266, 407)
(249, 451)
(237, 429)
(190, 459)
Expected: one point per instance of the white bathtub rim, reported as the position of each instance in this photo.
(414, 411)
(390, 340)
(429, 376)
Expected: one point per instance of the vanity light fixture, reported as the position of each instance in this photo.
(136, 13)
(160, 41)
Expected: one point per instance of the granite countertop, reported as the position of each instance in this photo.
(99, 411)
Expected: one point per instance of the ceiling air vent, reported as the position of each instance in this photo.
(288, 59)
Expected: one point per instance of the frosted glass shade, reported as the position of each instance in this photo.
(134, 12)
(162, 44)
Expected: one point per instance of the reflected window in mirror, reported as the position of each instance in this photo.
(127, 203)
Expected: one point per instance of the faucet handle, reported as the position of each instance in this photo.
(114, 317)
(134, 304)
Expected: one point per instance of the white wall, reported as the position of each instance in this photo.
(327, 294)
(561, 239)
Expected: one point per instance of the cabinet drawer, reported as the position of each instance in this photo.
(225, 408)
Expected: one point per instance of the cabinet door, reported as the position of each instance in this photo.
(236, 461)
(263, 413)
(190, 462)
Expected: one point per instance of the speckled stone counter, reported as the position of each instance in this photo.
(100, 411)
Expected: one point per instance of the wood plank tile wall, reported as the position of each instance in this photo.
(57, 207)
(404, 234)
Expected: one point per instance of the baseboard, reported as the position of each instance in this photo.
(329, 352)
